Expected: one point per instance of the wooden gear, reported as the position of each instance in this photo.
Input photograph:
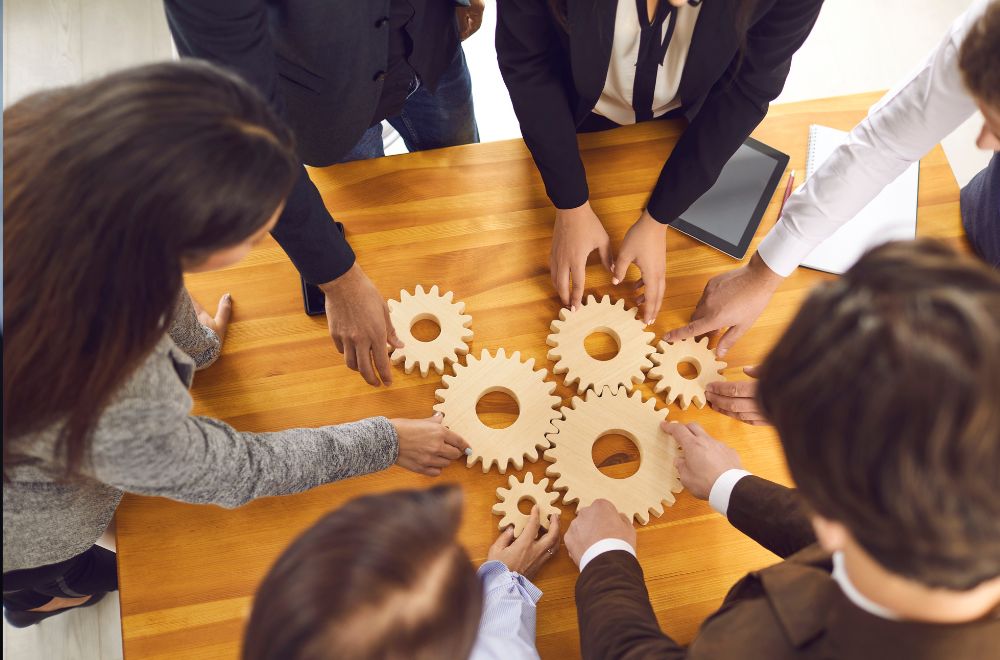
(685, 391)
(446, 347)
(571, 329)
(527, 386)
(596, 415)
(522, 490)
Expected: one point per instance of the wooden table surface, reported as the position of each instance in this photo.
(473, 219)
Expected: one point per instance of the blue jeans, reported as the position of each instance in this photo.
(981, 212)
(429, 121)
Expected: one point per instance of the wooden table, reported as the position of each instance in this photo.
(475, 220)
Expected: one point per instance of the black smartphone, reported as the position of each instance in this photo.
(314, 299)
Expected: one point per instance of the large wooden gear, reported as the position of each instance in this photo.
(570, 330)
(636, 496)
(525, 490)
(446, 347)
(684, 390)
(537, 408)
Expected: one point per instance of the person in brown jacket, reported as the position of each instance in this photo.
(884, 391)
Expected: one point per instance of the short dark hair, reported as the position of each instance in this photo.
(381, 577)
(979, 57)
(885, 390)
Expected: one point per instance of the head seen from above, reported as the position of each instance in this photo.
(979, 61)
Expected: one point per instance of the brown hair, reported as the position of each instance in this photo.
(979, 58)
(108, 186)
(885, 392)
(381, 577)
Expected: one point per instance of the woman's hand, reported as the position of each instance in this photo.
(219, 323)
(528, 552)
(426, 446)
(702, 460)
(576, 234)
(737, 399)
(645, 245)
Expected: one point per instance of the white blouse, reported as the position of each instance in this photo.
(615, 102)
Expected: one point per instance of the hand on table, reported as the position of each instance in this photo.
(426, 445)
(528, 552)
(576, 234)
(359, 323)
(737, 399)
(593, 523)
(470, 18)
(731, 300)
(645, 244)
(219, 323)
(702, 459)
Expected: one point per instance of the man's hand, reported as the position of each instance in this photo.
(702, 459)
(359, 323)
(528, 552)
(426, 446)
(645, 244)
(594, 523)
(576, 234)
(731, 300)
(470, 18)
(737, 399)
(219, 323)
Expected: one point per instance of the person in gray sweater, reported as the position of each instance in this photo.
(113, 189)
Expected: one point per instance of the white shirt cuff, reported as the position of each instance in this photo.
(782, 251)
(602, 546)
(722, 489)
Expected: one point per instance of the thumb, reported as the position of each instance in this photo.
(753, 371)
(436, 418)
(728, 339)
(620, 267)
(607, 258)
(390, 332)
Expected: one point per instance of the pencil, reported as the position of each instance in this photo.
(788, 192)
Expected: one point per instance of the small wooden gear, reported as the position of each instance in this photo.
(685, 391)
(571, 329)
(536, 404)
(636, 496)
(446, 347)
(525, 490)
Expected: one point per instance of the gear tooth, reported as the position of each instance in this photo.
(620, 304)
(517, 462)
(531, 365)
(449, 296)
(435, 291)
(404, 295)
(512, 481)
(697, 400)
(498, 510)
(419, 291)
(516, 356)
(564, 313)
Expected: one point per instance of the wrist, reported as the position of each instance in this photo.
(762, 272)
(651, 222)
(349, 276)
(601, 546)
(575, 212)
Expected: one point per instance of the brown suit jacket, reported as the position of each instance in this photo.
(793, 609)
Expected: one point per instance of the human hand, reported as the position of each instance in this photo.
(219, 323)
(737, 399)
(731, 300)
(702, 460)
(576, 234)
(593, 523)
(528, 552)
(470, 18)
(426, 445)
(358, 319)
(645, 244)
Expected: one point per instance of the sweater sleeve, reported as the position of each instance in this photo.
(199, 342)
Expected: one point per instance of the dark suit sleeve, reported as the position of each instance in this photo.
(537, 74)
(234, 33)
(734, 107)
(771, 514)
(615, 617)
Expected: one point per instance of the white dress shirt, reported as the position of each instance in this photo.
(615, 102)
(899, 130)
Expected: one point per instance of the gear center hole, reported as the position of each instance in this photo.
(425, 328)
(689, 369)
(602, 344)
(498, 409)
(524, 505)
(616, 455)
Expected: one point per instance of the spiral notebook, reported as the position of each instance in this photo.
(890, 216)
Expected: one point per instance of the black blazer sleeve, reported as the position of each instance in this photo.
(734, 106)
(614, 614)
(234, 33)
(536, 71)
(771, 514)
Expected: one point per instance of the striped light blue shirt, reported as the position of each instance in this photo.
(507, 627)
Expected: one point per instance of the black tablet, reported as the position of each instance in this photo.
(727, 216)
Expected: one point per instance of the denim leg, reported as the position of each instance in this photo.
(980, 207)
(443, 119)
(369, 146)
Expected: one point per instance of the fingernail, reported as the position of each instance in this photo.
(615, 280)
(228, 296)
(573, 308)
(468, 451)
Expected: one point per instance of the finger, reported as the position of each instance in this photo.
(736, 405)
(450, 452)
(391, 337)
(728, 339)
(431, 472)
(530, 531)
(457, 441)
(640, 299)
(225, 310)
(436, 461)
(550, 539)
(561, 281)
(505, 538)
(604, 250)
(654, 298)
(753, 372)
(364, 361)
(578, 273)
(732, 388)
(621, 265)
(638, 284)
(350, 355)
(680, 433)
(693, 329)
(382, 364)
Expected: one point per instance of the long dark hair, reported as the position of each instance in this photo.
(381, 577)
(108, 186)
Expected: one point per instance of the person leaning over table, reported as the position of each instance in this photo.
(334, 69)
(573, 67)
(404, 588)
(883, 391)
(112, 190)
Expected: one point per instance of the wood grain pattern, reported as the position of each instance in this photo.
(475, 220)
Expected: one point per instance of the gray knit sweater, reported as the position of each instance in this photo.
(147, 442)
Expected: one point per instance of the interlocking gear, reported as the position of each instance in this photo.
(636, 496)
(446, 347)
(536, 404)
(570, 330)
(521, 490)
(685, 391)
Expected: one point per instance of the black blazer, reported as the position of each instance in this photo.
(555, 76)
